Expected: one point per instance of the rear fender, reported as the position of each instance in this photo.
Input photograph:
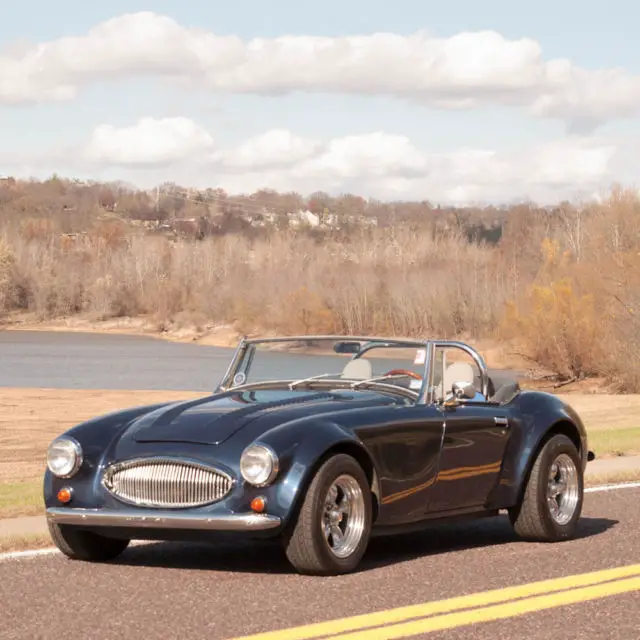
(535, 418)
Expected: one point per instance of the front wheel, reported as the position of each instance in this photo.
(333, 527)
(552, 502)
(85, 545)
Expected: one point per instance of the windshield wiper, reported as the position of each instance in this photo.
(295, 383)
(355, 385)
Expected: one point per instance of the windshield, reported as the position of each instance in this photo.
(313, 362)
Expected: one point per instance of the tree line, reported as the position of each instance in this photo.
(560, 284)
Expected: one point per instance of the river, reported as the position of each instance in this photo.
(76, 360)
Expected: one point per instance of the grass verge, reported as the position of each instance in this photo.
(21, 498)
(615, 442)
(612, 477)
(25, 542)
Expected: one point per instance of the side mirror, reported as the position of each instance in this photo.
(463, 390)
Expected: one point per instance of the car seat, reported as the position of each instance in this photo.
(358, 369)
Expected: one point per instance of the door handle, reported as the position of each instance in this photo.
(501, 421)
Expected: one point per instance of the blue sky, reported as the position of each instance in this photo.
(53, 135)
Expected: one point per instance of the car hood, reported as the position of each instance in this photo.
(214, 419)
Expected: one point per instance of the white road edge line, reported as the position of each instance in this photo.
(15, 555)
(612, 487)
(47, 551)
(12, 555)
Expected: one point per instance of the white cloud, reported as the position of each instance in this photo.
(377, 164)
(373, 155)
(148, 142)
(547, 172)
(273, 149)
(466, 70)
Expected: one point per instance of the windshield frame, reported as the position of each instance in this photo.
(425, 395)
(248, 346)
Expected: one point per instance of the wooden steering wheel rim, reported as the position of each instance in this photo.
(411, 374)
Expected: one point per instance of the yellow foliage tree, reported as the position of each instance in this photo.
(558, 326)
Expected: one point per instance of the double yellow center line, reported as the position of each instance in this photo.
(485, 606)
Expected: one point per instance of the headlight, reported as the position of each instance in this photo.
(259, 465)
(64, 457)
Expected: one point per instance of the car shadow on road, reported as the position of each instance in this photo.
(448, 538)
(268, 557)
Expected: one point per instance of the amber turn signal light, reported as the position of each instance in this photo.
(64, 495)
(258, 504)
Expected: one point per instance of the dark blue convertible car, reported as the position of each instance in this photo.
(321, 442)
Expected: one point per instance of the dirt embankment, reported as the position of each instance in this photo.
(496, 353)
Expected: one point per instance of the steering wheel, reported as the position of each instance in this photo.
(406, 372)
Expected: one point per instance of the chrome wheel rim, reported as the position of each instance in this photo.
(344, 515)
(563, 489)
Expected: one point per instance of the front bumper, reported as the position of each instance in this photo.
(157, 519)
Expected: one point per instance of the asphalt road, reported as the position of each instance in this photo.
(58, 360)
(194, 591)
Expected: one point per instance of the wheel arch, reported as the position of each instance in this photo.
(562, 426)
(362, 457)
(346, 446)
(525, 448)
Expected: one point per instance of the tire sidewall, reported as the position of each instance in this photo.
(553, 448)
(339, 465)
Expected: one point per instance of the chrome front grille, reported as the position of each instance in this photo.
(166, 482)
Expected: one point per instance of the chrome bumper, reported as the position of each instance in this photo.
(157, 519)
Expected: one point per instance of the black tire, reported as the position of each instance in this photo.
(85, 545)
(532, 518)
(306, 546)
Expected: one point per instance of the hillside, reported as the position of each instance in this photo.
(560, 285)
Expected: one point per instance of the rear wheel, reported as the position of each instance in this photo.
(85, 545)
(552, 502)
(333, 527)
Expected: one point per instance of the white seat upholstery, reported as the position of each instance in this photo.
(359, 369)
(455, 372)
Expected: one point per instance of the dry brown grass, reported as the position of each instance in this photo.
(612, 477)
(24, 498)
(31, 418)
(606, 412)
(25, 542)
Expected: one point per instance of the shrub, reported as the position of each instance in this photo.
(558, 328)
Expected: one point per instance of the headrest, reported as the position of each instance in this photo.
(359, 369)
(457, 372)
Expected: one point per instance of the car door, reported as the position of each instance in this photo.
(405, 445)
(475, 437)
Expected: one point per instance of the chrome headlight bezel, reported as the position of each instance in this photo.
(261, 454)
(75, 456)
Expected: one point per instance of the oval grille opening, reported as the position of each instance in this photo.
(166, 482)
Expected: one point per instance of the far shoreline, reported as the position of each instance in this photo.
(497, 354)
(223, 336)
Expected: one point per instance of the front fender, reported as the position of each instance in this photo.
(532, 417)
(96, 437)
(301, 447)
